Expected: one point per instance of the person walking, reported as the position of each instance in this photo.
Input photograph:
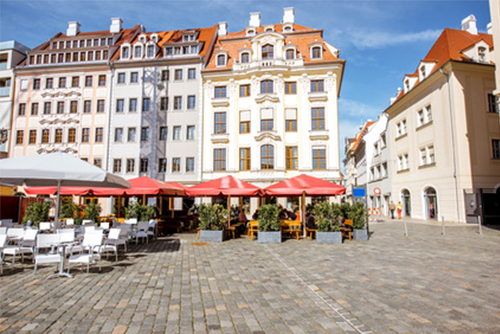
(400, 209)
(392, 207)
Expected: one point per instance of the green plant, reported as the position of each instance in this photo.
(269, 217)
(235, 210)
(345, 209)
(212, 216)
(327, 216)
(93, 211)
(72, 210)
(37, 212)
(137, 210)
(358, 215)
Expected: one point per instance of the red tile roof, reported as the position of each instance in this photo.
(360, 136)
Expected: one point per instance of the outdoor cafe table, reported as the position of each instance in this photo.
(61, 248)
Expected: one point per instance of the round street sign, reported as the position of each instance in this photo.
(376, 191)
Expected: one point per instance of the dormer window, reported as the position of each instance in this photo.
(125, 52)
(481, 52)
(169, 51)
(188, 38)
(269, 28)
(288, 28)
(250, 32)
(138, 51)
(151, 51)
(154, 38)
(407, 85)
(268, 52)
(290, 54)
(422, 71)
(245, 58)
(142, 38)
(221, 60)
(316, 52)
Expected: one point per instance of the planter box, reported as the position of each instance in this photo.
(361, 235)
(329, 237)
(212, 235)
(269, 237)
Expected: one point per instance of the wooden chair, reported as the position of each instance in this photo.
(309, 231)
(346, 230)
(230, 231)
(286, 226)
(295, 227)
(253, 227)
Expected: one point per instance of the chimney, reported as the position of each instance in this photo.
(116, 25)
(222, 28)
(288, 15)
(469, 24)
(254, 20)
(489, 28)
(73, 29)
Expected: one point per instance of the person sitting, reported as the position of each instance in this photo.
(242, 217)
(255, 215)
(311, 220)
(291, 215)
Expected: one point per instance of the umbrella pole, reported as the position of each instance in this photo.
(171, 206)
(143, 199)
(56, 215)
(229, 210)
(303, 208)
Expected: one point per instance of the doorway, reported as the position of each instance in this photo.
(405, 194)
(431, 209)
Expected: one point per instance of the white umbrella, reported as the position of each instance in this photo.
(59, 169)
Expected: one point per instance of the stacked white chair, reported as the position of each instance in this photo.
(45, 251)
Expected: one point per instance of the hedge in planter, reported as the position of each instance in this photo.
(328, 216)
(269, 224)
(212, 220)
(358, 215)
(37, 212)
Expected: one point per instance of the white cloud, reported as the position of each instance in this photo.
(380, 39)
(354, 109)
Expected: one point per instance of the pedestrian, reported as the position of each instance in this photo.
(392, 207)
(431, 211)
(400, 209)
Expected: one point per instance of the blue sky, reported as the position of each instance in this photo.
(380, 40)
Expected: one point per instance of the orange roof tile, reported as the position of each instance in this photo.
(359, 136)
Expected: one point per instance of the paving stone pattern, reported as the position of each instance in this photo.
(424, 283)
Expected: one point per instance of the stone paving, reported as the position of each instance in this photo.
(424, 283)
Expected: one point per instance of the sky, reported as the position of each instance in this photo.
(381, 41)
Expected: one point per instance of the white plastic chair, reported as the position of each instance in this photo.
(3, 240)
(14, 235)
(152, 228)
(67, 235)
(6, 222)
(25, 245)
(92, 242)
(44, 242)
(70, 222)
(3, 230)
(113, 241)
(132, 221)
(45, 226)
(141, 232)
(105, 226)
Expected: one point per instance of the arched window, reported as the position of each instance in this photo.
(245, 58)
(267, 157)
(405, 196)
(290, 54)
(316, 52)
(431, 203)
(481, 53)
(268, 52)
(221, 60)
(266, 87)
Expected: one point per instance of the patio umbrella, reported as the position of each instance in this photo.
(59, 169)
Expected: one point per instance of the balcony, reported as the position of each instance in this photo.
(267, 63)
(220, 102)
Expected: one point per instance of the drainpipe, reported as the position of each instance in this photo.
(109, 162)
(453, 143)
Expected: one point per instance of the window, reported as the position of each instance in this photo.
(292, 157)
(267, 52)
(102, 80)
(266, 87)
(162, 165)
(71, 135)
(290, 54)
(403, 162)
(267, 124)
(21, 111)
(144, 165)
(132, 105)
(244, 90)
(60, 107)
(495, 144)
(120, 104)
(318, 118)
(177, 102)
(100, 106)
(58, 136)
(220, 91)
(138, 51)
(290, 88)
(131, 135)
(32, 137)
(145, 133)
(121, 78)
(163, 133)
(221, 60)
(191, 102)
(401, 128)
(117, 165)
(220, 122)
(190, 132)
(47, 106)
(319, 158)
(49, 83)
(34, 109)
(99, 135)
(130, 165)
(189, 164)
(88, 81)
(317, 86)
(36, 84)
(151, 51)
(177, 133)
(424, 115)
(19, 137)
(427, 155)
(118, 134)
(62, 82)
(87, 106)
(481, 52)
(45, 136)
(98, 162)
(245, 58)
(176, 165)
(75, 82)
(90, 56)
(316, 52)
(146, 104)
(134, 77)
(219, 159)
(290, 120)
(85, 135)
(178, 74)
(245, 126)
(267, 157)
(244, 158)
(165, 75)
(164, 103)
(492, 104)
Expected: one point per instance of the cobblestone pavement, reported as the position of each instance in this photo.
(424, 283)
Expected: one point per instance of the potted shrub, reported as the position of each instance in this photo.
(269, 224)
(72, 210)
(37, 212)
(212, 220)
(358, 215)
(92, 211)
(328, 216)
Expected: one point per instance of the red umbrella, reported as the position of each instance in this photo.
(178, 185)
(224, 186)
(147, 186)
(305, 184)
(78, 191)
